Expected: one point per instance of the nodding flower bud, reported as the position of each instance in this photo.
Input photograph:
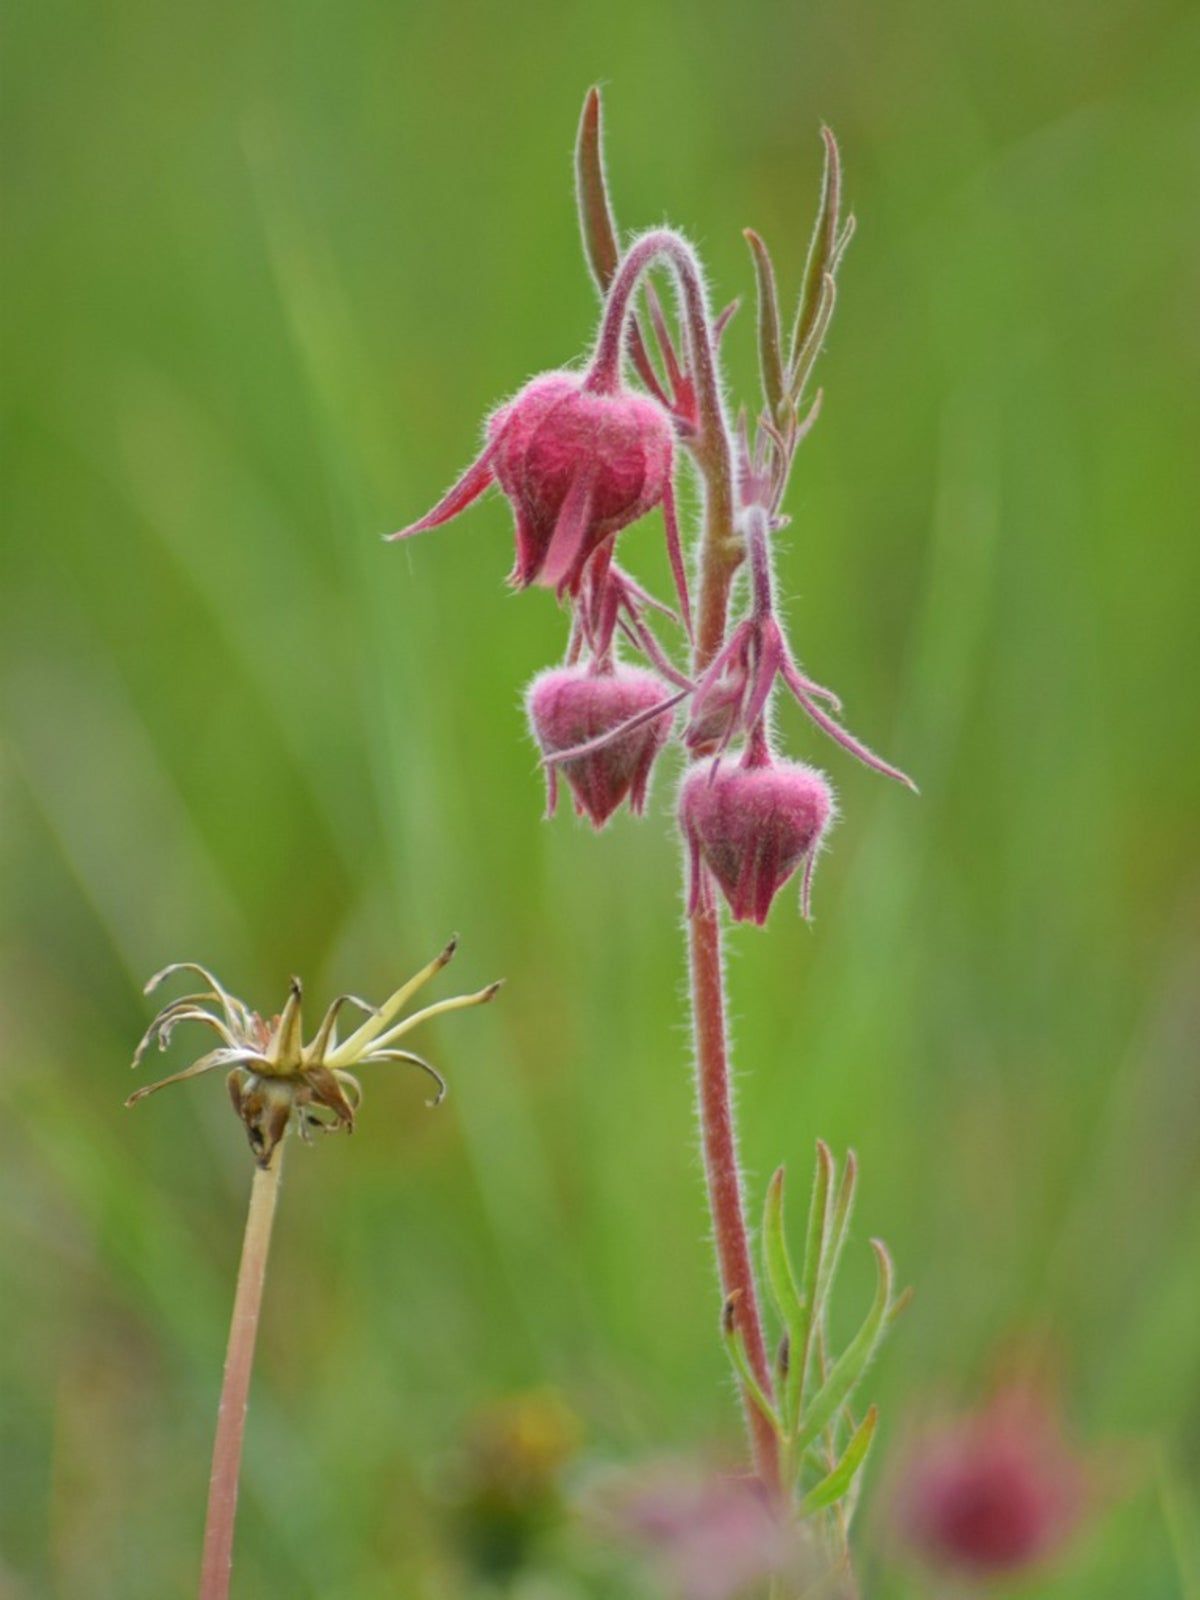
(578, 465)
(750, 827)
(603, 727)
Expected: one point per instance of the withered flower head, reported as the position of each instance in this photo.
(276, 1081)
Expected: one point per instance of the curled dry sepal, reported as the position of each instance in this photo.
(580, 456)
(276, 1081)
(823, 1441)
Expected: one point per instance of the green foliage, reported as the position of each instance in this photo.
(822, 1446)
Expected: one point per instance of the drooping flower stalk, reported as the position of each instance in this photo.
(217, 1561)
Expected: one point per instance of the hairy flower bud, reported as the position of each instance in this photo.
(578, 465)
(751, 826)
(575, 708)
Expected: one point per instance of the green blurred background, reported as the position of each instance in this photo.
(266, 265)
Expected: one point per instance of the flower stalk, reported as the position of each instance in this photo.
(217, 1561)
(721, 553)
(278, 1084)
(581, 455)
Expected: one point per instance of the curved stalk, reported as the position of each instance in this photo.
(217, 1561)
(721, 552)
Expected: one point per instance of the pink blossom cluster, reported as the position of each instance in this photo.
(580, 456)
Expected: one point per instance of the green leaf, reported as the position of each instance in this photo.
(770, 353)
(781, 1278)
(806, 359)
(852, 1364)
(823, 246)
(731, 1338)
(596, 221)
(838, 1229)
(840, 1480)
(814, 1249)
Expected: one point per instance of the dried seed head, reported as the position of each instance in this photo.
(573, 708)
(750, 827)
(276, 1081)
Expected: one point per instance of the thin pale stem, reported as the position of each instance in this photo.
(217, 1563)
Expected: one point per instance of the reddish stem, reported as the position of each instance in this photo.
(722, 1171)
(217, 1563)
(721, 552)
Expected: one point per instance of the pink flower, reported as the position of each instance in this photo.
(994, 1491)
(579, 460)
(613, 721)
(708, 1537)
(750, 827)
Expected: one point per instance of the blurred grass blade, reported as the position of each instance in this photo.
(854, 1361)
(840, 1481)
(1183, 1527)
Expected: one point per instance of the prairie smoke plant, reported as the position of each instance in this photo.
(277, 1083)
(581, 455)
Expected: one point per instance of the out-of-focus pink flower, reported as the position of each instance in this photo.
(993, 1491)
(708, 1537)
(614, 719)
(578, 463)
(750, 826)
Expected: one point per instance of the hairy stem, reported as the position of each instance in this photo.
(217, 1563)
(721, 552)
(720, 555)
(722, 1170)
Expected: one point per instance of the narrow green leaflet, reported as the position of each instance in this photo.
(823, 247)
(853, 1362)
(806, 359)
(840, 1480)
(839, 1227)
(814, 1248)
(731, 1338)
(780, 1275)
(770, 353)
